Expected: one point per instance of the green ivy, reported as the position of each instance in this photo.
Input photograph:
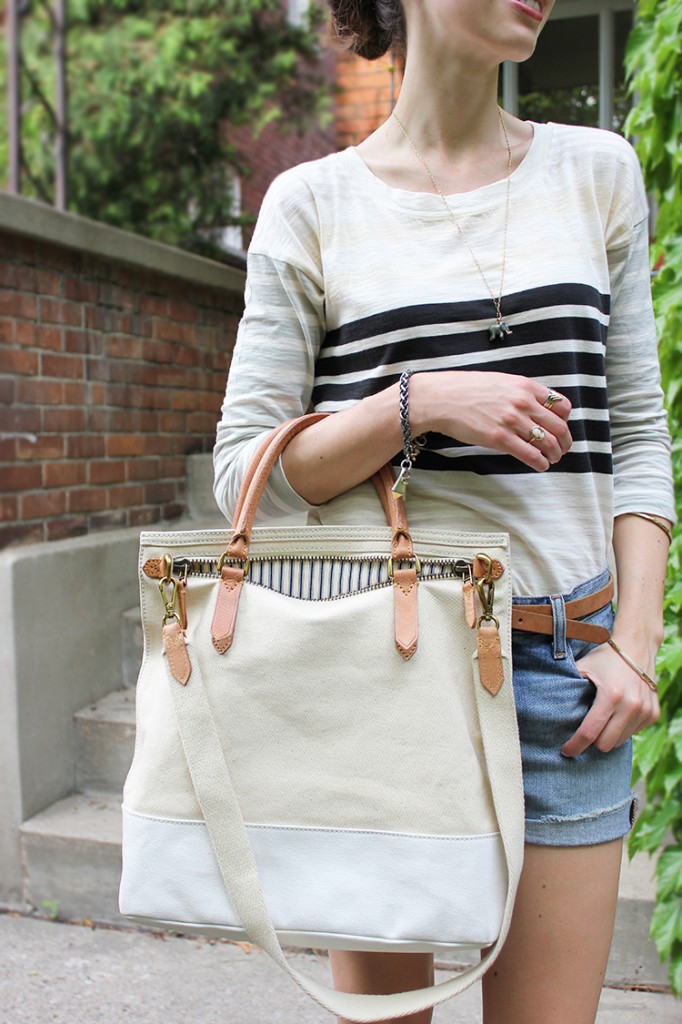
(158, 90)
(654, 63)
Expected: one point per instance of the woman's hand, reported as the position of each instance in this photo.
(623, 704)
(493, 410)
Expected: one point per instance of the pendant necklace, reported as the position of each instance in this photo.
(499, 329)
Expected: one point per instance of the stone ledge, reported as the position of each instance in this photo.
(32, 219)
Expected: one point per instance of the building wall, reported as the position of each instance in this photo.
(110, 374)
(366, 89)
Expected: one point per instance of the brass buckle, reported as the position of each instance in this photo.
(417, 565)
(486, 591)
(246, 562)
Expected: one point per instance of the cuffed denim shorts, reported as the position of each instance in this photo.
(569, 801)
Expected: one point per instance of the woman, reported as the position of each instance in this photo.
(496, 252)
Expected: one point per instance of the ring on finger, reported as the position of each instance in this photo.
(552, 398)
(536, 433)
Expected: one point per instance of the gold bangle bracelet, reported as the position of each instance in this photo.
(635, 668)
(660, 523)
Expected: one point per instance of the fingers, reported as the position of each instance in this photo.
(620, 709)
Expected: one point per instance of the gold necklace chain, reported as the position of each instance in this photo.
(499, 329)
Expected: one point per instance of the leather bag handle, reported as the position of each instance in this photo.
(260, 468)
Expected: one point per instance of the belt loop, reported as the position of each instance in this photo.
(559, 626)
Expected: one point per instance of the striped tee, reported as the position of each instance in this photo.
(351, 281)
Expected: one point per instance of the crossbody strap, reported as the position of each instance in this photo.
(220, 806)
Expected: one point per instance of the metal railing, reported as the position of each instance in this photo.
(17, 68)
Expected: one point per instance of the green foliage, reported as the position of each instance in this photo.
(654, 62)
(157, 91)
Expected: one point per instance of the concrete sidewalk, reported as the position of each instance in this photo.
(55, 973)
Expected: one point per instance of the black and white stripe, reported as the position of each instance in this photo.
(559, 337)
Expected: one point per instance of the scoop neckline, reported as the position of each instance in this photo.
(430, 204)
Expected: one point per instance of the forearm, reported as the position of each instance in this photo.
(345, 449)
(641, 552)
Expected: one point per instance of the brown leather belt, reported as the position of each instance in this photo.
(537, 618)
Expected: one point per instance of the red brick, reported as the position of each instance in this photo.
(47, 446)
(75, 393)
(79, 290)
(106, 472)
(18, 361)
(169, 330)
(183, 311)
(17, 304)
(6, 390)
(72, 367)
(121, 347)
(40, 336)
(110, 294)
(30, 533)
(125, 444)
(17, 420)
(48, 283)
(56, 311)
(65, 421)
(147, 421)
(168, 422)
(184, 401)
(109, 520)
(145, 469)
(8, 452)
(159, 445)
(144, 516)
(7, 330)
(156, 493)
(85, 446)
(67, 526)
(126, 496)
(87, 499)
(174, 468)
(157, 351)
(42, 504)
(64, 474)
(172, 511)
(153, 305)
(84, 341)
(19, 478)
(9, 508)
(202, 422)
(39, 392)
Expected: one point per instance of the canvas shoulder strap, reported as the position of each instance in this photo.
(211, 779)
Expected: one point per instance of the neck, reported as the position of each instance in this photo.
(457, 117)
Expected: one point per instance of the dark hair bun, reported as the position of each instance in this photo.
(369, 27)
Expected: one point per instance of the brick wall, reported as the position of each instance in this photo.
(364, 100)
(110, 375)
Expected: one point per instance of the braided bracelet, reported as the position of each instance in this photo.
(411, 445)
(635, 668)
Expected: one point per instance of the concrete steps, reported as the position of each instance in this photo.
(72, 858)
(105, 740)
(72, 850)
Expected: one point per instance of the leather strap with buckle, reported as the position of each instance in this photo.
(537, 618)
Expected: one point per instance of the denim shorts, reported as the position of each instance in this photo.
(569, 801)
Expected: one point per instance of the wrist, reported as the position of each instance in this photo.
(640, 643)
(420, 412)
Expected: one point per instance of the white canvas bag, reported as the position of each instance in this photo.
(327, 751)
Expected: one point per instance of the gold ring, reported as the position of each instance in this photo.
(552, 398)
(536, 433)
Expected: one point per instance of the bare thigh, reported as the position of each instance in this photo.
(551, 969)
(381, 973)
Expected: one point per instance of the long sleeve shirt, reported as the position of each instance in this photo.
(351, 281)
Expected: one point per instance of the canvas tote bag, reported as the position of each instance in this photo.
(327, 751)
